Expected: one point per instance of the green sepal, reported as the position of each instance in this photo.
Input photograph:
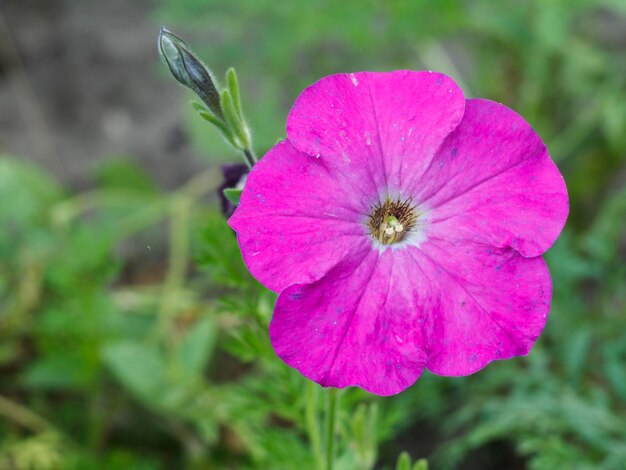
(217, 122)
(233, 120)
(201, 81)
(233, 195)
(233, 87)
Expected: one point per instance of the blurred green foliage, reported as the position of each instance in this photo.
(132, 336)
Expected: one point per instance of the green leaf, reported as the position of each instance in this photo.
(197, 347)
(217, 122)
(140, 368)
(234, 121)
(198, 106)
(125, 174)
(576, 353)
(404, 462)
(616, 374)
(233, 86)
(421, 464)
(61, 371)
(233, 195)
(31, 192)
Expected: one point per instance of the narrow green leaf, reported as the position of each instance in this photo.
(615, 373)
(233, 195)
(358, 422)
(233, 86)
(221, 126)
(61, 371)
(234, 121)
(197, 347)
(404, 462)
(577, 353)
(421, 464)
(198, 106)
(123, 173)
(140, 368)
(217, 122)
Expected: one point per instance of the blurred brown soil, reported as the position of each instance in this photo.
(80, 81)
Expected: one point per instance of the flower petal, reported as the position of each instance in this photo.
(382, 126)
(493, 181)
(296, 220)
(356, 326)
(493, 303)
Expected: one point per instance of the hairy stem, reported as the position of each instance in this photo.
(250, 158)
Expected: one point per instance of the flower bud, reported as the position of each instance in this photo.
(189, 70)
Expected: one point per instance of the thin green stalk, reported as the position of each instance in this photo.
(178, 258)
(180, 218)
(65, 211)
(250, 158)
(312, 424)
(330, 422)
(23, 416)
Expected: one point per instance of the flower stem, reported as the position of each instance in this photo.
(330, 437)
(250, 158)
(312, 424)
(23, 416)
(178, 257)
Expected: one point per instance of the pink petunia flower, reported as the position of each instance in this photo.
(403, 227)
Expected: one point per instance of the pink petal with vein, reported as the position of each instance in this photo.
(385, 127)
(493, 182)
(293, 222)
(493, 303)
(356, 326)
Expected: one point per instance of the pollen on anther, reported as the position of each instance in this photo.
(391, 220)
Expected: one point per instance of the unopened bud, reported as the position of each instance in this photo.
(189, 70)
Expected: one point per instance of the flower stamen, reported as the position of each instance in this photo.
(391, 220)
